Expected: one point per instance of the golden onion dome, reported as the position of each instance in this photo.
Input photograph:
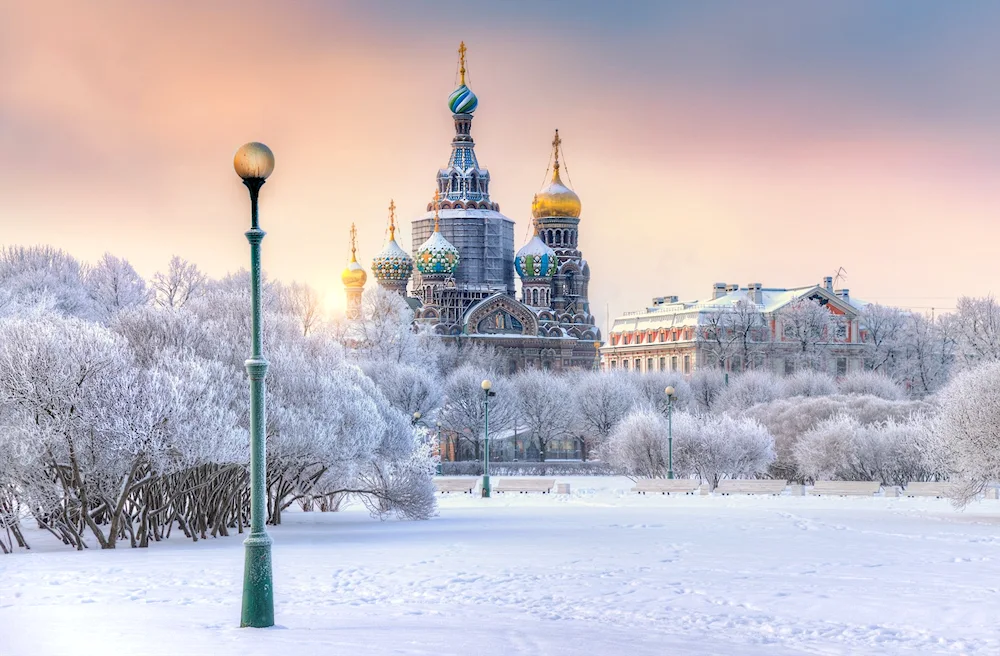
(354, 275)
(556, 200)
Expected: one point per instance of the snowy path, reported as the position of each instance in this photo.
(595, 574)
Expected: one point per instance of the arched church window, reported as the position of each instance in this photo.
(534, 297)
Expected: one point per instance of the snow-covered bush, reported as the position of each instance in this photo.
(638, 444)
(809, 383)
(543, 403)
(968, 427)
(748, 389)
(706, 386)
(871, 383)
(719, 446)
(602, 400)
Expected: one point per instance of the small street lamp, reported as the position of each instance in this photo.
(670, 430)
(487, 393)
(254, 162)
(416, 417)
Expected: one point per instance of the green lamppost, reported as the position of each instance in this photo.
(670, 431)
(487, 393)
(440, 467)
(254, 162)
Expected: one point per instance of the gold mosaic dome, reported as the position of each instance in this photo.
(556, 200)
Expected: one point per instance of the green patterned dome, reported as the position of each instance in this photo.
(437, 255)
(392, 263)
(536, 260)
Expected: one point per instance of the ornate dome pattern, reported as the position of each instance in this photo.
(462, 100)
(437, 255)
(536, 260)
(392, 263)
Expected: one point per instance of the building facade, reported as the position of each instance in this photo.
(461, 275)
(741, 328)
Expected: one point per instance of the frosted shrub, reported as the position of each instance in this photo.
(969, 427)
(809, 383)
(871, 383)
(602, 400)
(748, 389)
(652, 390)
(638, 444)
(721, 446)
(706, 386)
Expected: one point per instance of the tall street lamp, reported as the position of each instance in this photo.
(254, 162)
(440, 467)
(670, 431)
(487, 393)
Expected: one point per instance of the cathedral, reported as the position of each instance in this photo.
(460, 277)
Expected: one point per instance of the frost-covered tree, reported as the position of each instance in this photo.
(407, 388)
(722, 446)
(651, 388)
(463, 414)
(302, 302)
(870, 383)
(884, 329)
(809, 383)
(114, 285)
(385, 331)
(969, 427)
(976, 324)
(928, 353)
(737, 334)
(180, 283)
(47, 275)
(638, 444)
(805, 325)
(602, 400)
(749, 389)
(544, 407)
(706, 386)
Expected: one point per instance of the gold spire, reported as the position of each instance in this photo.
(437, 205)
(534, 221)
(461, 63)
(354, 243)
(392, 220)
(556, 142)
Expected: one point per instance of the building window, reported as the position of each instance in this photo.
(687, 364)
(614, 364)
(649, 364)
(624, 364)
(663, 364)
(789, 367)
(841, 366)
(638, 364)
(841, 331)
(673, 363)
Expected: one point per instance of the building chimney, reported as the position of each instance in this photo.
(658, 300)
(718, 290)
(844, 294)
(756, 294)
(732, 287)
(828, 283)
(671, 299)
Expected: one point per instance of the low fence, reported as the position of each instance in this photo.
(548, 468)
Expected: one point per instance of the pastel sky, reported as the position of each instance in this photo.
(770, 142)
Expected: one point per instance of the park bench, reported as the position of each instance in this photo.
(667, 485)
(524, 485)
(845, 488)
(465, 485)
(750, 486)
(939, 489)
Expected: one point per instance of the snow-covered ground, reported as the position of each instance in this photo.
(598, 572)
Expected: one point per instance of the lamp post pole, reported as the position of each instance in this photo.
(487, 393)
(254, 162)
(670, 431)
(440, 467)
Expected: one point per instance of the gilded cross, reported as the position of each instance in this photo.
(556, 142)
(354, 239)
(461, 61)
(392, 219)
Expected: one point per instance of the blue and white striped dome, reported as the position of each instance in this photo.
(536, 260)
(462, 100)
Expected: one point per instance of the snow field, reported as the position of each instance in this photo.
(600, 571)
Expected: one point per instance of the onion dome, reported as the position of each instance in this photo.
(437, 255)
(462, 100)
(393, 263)
(556, 200)
(354, 275)
(535, 259)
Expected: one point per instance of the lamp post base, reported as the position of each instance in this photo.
(486, 486)
(258, 592)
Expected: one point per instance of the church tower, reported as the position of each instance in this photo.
(556, 211)
(354, 279)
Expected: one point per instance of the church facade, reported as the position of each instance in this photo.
(461, 275)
